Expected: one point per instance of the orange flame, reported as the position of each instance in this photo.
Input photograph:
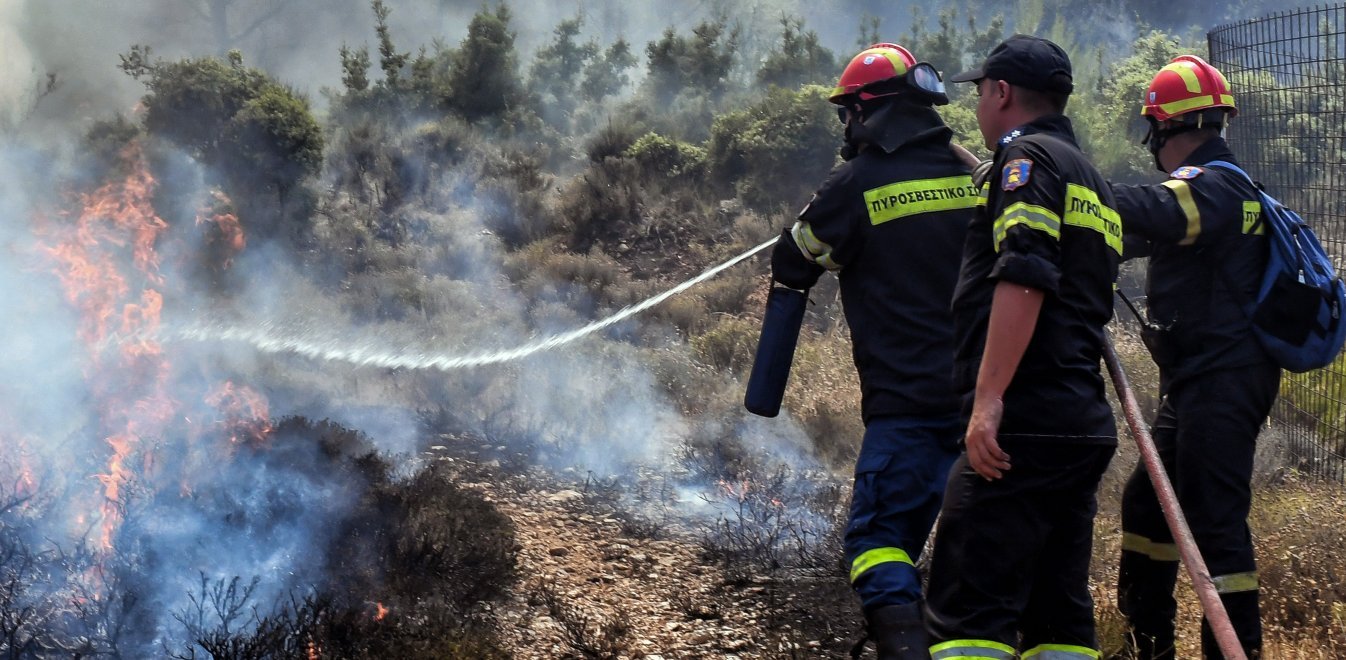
(246, 417)
(16, 465)
(88, 253)
(225, 238)
(738, 491)
(380, 611)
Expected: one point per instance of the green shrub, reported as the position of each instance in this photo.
(777, 151)
(602, 203)
(1109, 120)
(106, 139)
(258, 138)
(663, 159)
(729, 344)
(701, 62)
(799, 59)
(484, 77)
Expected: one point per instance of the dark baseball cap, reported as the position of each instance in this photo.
(1025, 61)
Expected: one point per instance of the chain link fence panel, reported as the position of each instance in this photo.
(1288, 74)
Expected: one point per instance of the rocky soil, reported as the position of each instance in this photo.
(594, 583)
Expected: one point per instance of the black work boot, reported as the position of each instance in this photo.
(898, 632)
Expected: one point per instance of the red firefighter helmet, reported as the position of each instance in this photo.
(876, 63)
(1187, 84)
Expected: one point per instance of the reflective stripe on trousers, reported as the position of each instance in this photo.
(985, 649)
(1061, 652)
(1235, 582)
(1152, 549)
(871, 558)
(967, 649)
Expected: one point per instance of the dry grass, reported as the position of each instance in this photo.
(824, 394)
(1299, 531)
(1300, 535)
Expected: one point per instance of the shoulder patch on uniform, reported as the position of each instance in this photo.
(1015, 174)
(1186, 172)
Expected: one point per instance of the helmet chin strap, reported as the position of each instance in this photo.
(1158, 135)
(1155, 139)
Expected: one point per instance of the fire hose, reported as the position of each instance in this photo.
(1177, 524)
(276, 338)
(1191, 557)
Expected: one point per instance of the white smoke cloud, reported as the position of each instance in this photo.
(16, 66)
(595, 405)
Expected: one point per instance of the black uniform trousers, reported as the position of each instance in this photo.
(1206, 434)
(1020, 547)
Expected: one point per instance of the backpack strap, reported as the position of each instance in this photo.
(1226, 165)
(1217, 267)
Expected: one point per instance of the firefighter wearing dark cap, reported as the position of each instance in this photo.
(1203, 231)
(1009, 573)
(890, 222)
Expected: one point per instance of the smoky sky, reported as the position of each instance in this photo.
(80, 40)
(297, 40)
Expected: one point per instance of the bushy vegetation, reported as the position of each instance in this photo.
(461, 194)
(774, 149)
(408, 569)
(257, 138)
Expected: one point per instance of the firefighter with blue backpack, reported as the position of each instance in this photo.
(1205, 235)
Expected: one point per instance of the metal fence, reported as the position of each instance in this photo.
(1288, 74)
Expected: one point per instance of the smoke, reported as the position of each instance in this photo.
(41, 382)
(15, 68)
(123, 434)
(205, 500)
(297, 40)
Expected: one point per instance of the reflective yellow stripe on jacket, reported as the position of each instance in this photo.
(907, 198)
(1252, 216)
(1183, 193)
(813, 249)
(1023, 213)
(1085, 209)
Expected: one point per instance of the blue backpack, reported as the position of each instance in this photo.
(1297, 314)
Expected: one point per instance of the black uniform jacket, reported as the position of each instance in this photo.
(1049, 222)
(1204, 234)
(891, 224)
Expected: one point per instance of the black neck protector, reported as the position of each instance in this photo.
(1158, 136)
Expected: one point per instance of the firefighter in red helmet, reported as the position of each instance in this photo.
(890, 222)
(1202, 230)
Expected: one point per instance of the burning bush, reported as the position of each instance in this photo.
(300, 546)
(257, 136)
